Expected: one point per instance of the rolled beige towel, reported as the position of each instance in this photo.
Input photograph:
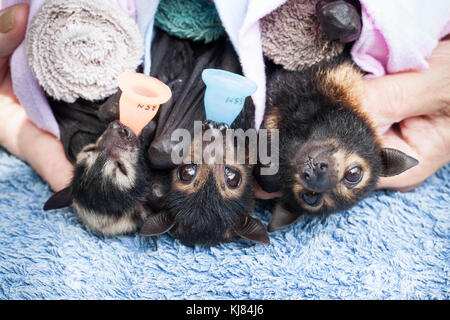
(292, 37)
(78, 48)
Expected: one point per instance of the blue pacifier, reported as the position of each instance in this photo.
(225, 94)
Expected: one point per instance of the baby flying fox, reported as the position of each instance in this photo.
(110, 183)
(209, 202)
(330, 156)
(198, 202)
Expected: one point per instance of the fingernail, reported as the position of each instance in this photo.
(382, 130)
(7, 19)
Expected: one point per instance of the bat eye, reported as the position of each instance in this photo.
(90, 149)
(187, 172)
(311, 198)
(353, 175)
(233, 177)
(122, 168)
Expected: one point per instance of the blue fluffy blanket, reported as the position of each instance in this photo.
(390, 246)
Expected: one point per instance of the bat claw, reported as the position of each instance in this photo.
(223, 127)
(209, 124)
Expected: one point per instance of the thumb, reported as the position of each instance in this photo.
(392, 98)
(13, 23)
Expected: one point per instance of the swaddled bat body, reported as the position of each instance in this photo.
(330, 156)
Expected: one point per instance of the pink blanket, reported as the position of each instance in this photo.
(399, 35)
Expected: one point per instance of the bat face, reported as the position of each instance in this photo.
(207, 201)
(328, 172)
(210, 202)
(330, 156)
(110, 183)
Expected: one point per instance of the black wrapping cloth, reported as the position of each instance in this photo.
(178, 63)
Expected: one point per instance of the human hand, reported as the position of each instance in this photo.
(18, 134)
(261, 194)
(416, 107)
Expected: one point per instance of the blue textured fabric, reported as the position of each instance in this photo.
(390, 246)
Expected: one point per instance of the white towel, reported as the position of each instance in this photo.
(78, 48)
(241, 21)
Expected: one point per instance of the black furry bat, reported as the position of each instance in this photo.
(111, 175)
(330, 156)
(203, 204)
(110, 183)
(209, 203)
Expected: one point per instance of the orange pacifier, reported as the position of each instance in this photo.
(140, 100)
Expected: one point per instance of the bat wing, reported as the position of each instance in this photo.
(79, 124)
(179, 63)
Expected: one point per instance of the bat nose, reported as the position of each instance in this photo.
(315, 171)
(315, 174)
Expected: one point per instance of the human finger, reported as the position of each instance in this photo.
(426, 138)
(261, 194)
(395, 97)
(13, 23)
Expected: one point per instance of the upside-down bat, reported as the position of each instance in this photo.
(330, 154)
(110, 183)
(111, 176)
(209, 203)
(204, 203)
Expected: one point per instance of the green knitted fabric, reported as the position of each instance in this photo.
(192, 19)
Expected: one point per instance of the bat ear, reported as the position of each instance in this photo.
(281, 218)
(156, 224)
(253, 230)
(394, 162)
(59, 200)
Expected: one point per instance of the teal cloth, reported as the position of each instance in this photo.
(197, 20)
